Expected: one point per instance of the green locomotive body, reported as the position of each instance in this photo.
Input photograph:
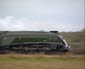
(33, 42)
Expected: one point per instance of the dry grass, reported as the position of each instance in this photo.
(39, 61)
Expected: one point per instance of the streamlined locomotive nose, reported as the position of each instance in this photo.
(66, 46)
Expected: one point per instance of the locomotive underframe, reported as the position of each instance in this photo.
(46, 48)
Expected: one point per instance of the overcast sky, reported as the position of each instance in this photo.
(46, 15)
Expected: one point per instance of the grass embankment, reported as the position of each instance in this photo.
(41, 61)
(74, 37)
(76, 40)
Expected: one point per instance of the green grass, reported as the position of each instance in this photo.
(39, 58)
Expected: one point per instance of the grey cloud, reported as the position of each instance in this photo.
(11, 23)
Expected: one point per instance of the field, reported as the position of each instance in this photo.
(39, 61)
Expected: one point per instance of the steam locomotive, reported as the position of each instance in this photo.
(31, 42)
